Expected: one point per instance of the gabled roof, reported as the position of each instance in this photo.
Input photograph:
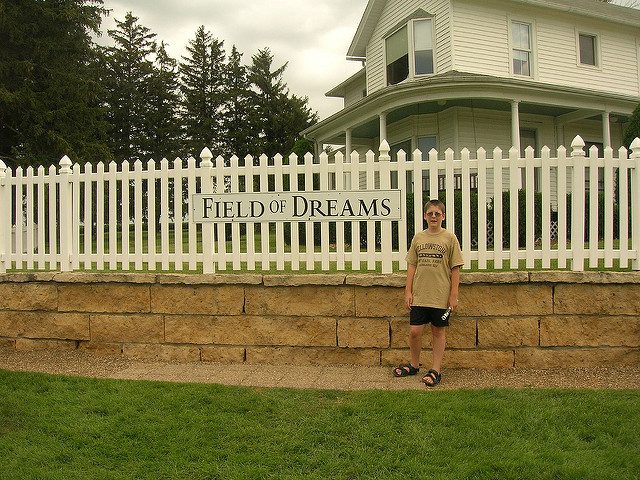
(339, 90)
(588, 8)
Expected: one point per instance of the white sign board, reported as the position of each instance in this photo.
(297, 206)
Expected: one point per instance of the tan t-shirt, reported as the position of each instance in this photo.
(434, 255)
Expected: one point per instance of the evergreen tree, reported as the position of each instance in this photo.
(127, 76)
(203, 73)
(632, 130)
(49, 93)
(240, 121)
(162, 119)
(281, 116)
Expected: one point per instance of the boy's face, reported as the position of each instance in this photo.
(434, 217)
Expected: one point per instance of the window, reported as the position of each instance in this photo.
(399, 49)
(522, 48)
(423, 46)
(425, 144)
(397, 57)
(588, 49)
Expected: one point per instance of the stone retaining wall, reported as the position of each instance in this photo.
(507, 319)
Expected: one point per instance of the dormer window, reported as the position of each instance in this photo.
(399, 49)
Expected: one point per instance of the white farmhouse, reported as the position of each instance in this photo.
(487, 73)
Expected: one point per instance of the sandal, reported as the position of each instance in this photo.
(405, 370)
(434, 376)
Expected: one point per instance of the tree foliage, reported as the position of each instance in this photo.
(61, 94)
(632, 129)
(49, 94)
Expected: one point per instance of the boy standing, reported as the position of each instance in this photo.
(431, 291)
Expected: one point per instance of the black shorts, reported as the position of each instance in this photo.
(424, 315)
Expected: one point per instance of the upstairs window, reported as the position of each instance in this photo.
(397, 57)
(522, 48)
(588, 49)
(423, 46)
(413, 41)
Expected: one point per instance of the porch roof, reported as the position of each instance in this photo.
(440, 92)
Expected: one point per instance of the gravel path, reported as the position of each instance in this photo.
(85, 364)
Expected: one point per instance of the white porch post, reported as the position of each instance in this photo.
(383, 126)
(348, 148)
(606, 130)
(515, 125)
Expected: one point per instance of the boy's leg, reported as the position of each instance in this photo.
(415, 344)
(438, 342)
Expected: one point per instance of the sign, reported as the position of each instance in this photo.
(297, 206)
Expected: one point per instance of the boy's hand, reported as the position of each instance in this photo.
(453, 303)
(408, 299)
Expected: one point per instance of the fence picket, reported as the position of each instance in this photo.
(545, 180)
(497, 209)
(608, 207)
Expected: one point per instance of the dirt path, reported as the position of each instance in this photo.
(85, 364)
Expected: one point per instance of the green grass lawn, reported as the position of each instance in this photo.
(55, 427)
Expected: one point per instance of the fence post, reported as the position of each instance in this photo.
(66, 214)
(385, 228)
(5, 206)
(577, 205)
(208, 264)
(635, 202)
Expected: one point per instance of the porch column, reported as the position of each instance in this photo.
(348, 148)
(515, 124)
(606, 130)
(383, 127)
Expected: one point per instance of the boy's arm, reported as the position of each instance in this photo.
(455, 283)
(408, 289)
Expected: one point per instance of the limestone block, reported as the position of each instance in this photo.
(496, 300)
(197, 299)
(103, 297)
(164, 353)
(26, 277)
(209, 279)
(298, 280)
(223, 354)
(250, 330)
(380, 302)
(101, 348)
(590, 331)
(589, 299)
(63, 326)
(504, 332)
(375, 280)
(105, 277)
(127, 328)
(29, 344)
(554, 276)
(482, 359)
(303, 301)
(544, 358)
(28, 296)
(461, 333)
(363, 332)
(312, 356)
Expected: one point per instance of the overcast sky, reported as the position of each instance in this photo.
(312, 35)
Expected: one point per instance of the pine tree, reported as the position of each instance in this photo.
(632, 130)
(49, 93)
(239, 120)
(202, 74)
(281, 115)
(162, 119)
(128, 72)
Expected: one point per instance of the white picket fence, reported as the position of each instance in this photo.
(92, 219)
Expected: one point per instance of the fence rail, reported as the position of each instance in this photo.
(87, 218)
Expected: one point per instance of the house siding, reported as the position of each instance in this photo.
(353, 93)
(394, 12)
(481, 45)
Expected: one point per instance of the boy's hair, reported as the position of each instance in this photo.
(435, 203)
